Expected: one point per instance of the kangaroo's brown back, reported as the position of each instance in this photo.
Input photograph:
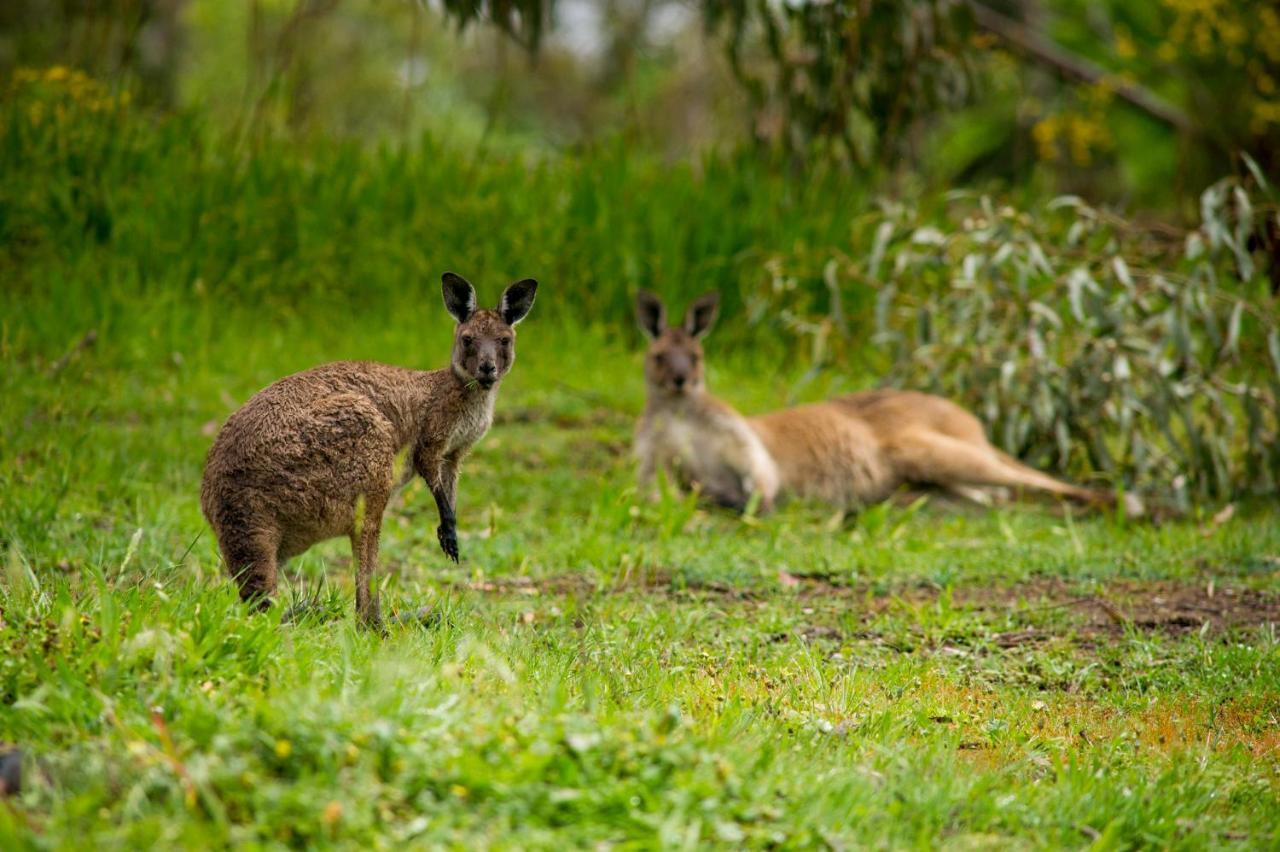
(318, 454)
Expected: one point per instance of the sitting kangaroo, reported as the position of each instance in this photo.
(318, 454)
(849, 451)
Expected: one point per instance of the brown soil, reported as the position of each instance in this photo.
(1164, 606)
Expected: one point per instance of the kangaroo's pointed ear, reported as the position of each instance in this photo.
(459, 296)
(702, 314)
(650, 313)
(517, 300)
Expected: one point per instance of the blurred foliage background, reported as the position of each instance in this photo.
(1139, 104)
(1060, 212)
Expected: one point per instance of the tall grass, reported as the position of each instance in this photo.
(105, 207)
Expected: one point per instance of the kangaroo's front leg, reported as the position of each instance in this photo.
(727, 493)
(647, 464)
(441, 475)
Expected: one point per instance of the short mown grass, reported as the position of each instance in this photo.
(598, 669)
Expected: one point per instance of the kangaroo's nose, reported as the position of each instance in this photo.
(679, 382)
(488, 369)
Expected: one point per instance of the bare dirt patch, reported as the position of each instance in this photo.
(1164, 606)
(1181, 608)
(656, 581)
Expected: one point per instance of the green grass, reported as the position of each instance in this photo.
(600, 669)
(603, 669)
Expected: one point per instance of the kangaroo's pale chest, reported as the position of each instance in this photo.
(696, 445)
(680, 442)
(473, 421)
(719, 451)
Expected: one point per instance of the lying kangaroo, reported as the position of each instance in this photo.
(849, 451)
(318, 454)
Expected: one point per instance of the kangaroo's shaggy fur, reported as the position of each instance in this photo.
(319, 454)
(849, 451)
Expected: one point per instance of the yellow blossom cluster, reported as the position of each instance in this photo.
(59, 89)
(1241, 35)
(1209, 28)
(1083, 133)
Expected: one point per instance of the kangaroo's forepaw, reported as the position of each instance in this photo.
(448, 536)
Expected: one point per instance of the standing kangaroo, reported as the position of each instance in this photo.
(318, 454)
(849, 451)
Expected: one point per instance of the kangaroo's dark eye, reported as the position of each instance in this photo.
(468, 340)
(505, 341)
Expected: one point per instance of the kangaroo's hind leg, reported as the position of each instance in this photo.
(365, 533)
(1134, 506)
(928, 456)
(979, 494)
(251, 561)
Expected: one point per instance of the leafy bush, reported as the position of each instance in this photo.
(1086, 344)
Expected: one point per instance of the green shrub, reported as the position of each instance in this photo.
(1084, 342)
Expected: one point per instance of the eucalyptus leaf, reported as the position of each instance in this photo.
(1081, 343)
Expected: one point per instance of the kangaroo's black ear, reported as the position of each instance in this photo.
(517, 300)
(459, 296)
(650, 313)
(702, 314)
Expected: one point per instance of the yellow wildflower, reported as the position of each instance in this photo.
(1045, 134)
(1125, 47)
